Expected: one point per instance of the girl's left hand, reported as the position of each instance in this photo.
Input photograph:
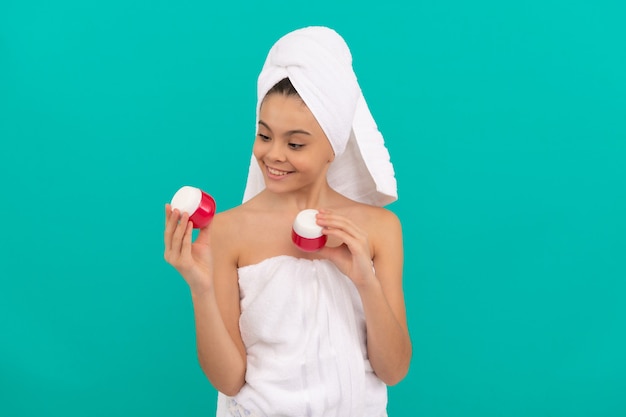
(353, 257)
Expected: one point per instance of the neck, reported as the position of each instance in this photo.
(316, 196)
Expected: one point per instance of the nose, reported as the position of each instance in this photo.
(276, 152)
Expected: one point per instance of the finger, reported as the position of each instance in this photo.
(168, 212)
(341, 235)
(357, 245)
(187, 237)
(170, 226)
(179, 232)
(333, 221)
(328, 216)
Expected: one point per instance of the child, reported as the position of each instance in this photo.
(285, 332)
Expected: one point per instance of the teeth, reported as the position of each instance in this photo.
(276, 172)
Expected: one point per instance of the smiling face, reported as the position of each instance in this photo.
(291, 147)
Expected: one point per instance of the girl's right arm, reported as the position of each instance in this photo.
(211, 273)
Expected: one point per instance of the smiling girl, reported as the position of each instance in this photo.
(285, 332)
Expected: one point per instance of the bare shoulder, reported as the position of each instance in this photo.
(383, 228)
(224, 228)
(235, 221)
(244, 230)
(376, 220)
(382, 216)
(224, 223)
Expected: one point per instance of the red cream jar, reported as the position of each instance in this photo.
(199, 205)
(306, 234)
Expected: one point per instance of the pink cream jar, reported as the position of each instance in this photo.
(199, 205)
(306, 234)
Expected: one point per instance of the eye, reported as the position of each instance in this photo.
(264, 138)
(295, 146)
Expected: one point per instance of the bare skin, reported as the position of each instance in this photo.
(294, 155)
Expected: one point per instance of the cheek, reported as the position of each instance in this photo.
(330, 152)
(258, 149)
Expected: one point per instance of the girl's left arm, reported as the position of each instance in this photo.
(388, 341)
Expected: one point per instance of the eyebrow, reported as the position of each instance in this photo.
(289, 132)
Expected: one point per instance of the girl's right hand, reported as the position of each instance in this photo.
(191, 259)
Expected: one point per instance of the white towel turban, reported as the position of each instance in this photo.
(318, 63)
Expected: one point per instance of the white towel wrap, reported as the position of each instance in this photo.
(318, 63)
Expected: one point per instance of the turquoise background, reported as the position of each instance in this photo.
(506, 122)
